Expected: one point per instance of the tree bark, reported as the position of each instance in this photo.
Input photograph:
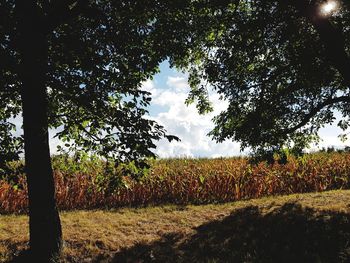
(44, 222)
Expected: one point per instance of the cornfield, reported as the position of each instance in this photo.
(182, 181)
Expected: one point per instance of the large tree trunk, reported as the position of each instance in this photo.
(44, 221)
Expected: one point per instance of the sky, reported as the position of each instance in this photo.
(169, 91)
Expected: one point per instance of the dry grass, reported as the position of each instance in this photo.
(300, 227)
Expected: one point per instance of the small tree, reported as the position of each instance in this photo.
(77, 65)
(283, 67)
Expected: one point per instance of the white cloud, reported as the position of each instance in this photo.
(329, 136)
(185, 122)
(178, 83)
(17, 121)
(148, 85)
(193, 128)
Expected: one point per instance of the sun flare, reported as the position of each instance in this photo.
(329, 7)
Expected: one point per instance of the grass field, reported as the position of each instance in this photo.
(296, 228)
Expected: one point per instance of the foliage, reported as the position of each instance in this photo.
(92, 184)
(99, 52)
(276, 68)
(11, 171)
(275, 154)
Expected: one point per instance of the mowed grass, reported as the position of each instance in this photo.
(296, 228)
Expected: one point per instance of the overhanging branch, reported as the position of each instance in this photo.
(314, 111)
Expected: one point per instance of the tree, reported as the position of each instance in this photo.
(282, 66)
(77, 65)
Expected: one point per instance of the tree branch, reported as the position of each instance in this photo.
(62, 11)
(315, 110)
(330, 36)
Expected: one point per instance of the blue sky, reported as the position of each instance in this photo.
(169, 90)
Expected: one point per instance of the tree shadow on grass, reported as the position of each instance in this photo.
(289, 233)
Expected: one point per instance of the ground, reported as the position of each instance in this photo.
(296, 228)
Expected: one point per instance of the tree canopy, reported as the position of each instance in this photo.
(78, 65)
(282, 66)
(99, 52)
